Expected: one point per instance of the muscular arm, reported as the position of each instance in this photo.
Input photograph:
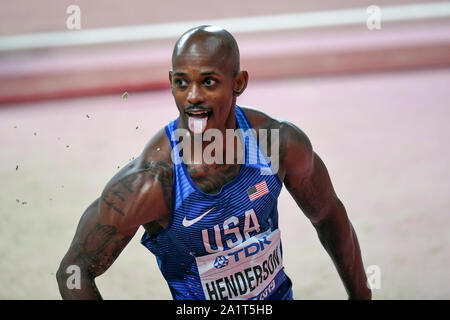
(137, 195)
(307, 180)
(94, 248)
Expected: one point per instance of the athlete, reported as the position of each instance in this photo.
(213, 225)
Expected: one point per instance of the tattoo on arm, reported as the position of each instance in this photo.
(126, 185)
(110, 203)
(101, 247)
(162, 172)
(116, 197)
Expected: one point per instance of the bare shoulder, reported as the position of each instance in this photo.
(141, 191)
(260, 120)
(297, 155)
(295, 149)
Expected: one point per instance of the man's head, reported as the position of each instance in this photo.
(206, 78)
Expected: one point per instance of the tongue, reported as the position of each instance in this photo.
(197, 124)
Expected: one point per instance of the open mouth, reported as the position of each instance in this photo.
(199, 113)
(198, 120)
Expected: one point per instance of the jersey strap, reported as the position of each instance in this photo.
(181, 184)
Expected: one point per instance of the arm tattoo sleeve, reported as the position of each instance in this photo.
(101, 247)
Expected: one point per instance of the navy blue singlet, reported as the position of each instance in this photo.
(225, 245)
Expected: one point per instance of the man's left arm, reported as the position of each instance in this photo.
(307, 180)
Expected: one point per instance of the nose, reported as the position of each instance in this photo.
(195, 95)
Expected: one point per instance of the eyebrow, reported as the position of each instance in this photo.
(179, 74)
(206, 73)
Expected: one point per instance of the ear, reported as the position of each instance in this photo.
(240, 83)
(170, 78)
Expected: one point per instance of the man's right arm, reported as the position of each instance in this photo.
(131, 199)
(94, 248)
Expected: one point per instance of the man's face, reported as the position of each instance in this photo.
(202, 85)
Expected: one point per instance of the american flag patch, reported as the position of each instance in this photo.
(258, 190)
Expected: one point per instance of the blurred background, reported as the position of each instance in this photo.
(84, 86)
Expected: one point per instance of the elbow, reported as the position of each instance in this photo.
(61, 274)
(68, 272)
(70, 276)
(332, 213)
(335, 230)
(322, 218)
(60, 279)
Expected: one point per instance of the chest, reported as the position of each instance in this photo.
(211, 178)
(245, 206)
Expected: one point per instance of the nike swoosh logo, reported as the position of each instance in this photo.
(188, 223)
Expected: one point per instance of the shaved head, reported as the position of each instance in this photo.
(209, 42)
(206, 78)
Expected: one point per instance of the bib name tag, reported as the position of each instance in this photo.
(250, 270)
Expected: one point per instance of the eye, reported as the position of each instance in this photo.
(209, 82)
(180, 82)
